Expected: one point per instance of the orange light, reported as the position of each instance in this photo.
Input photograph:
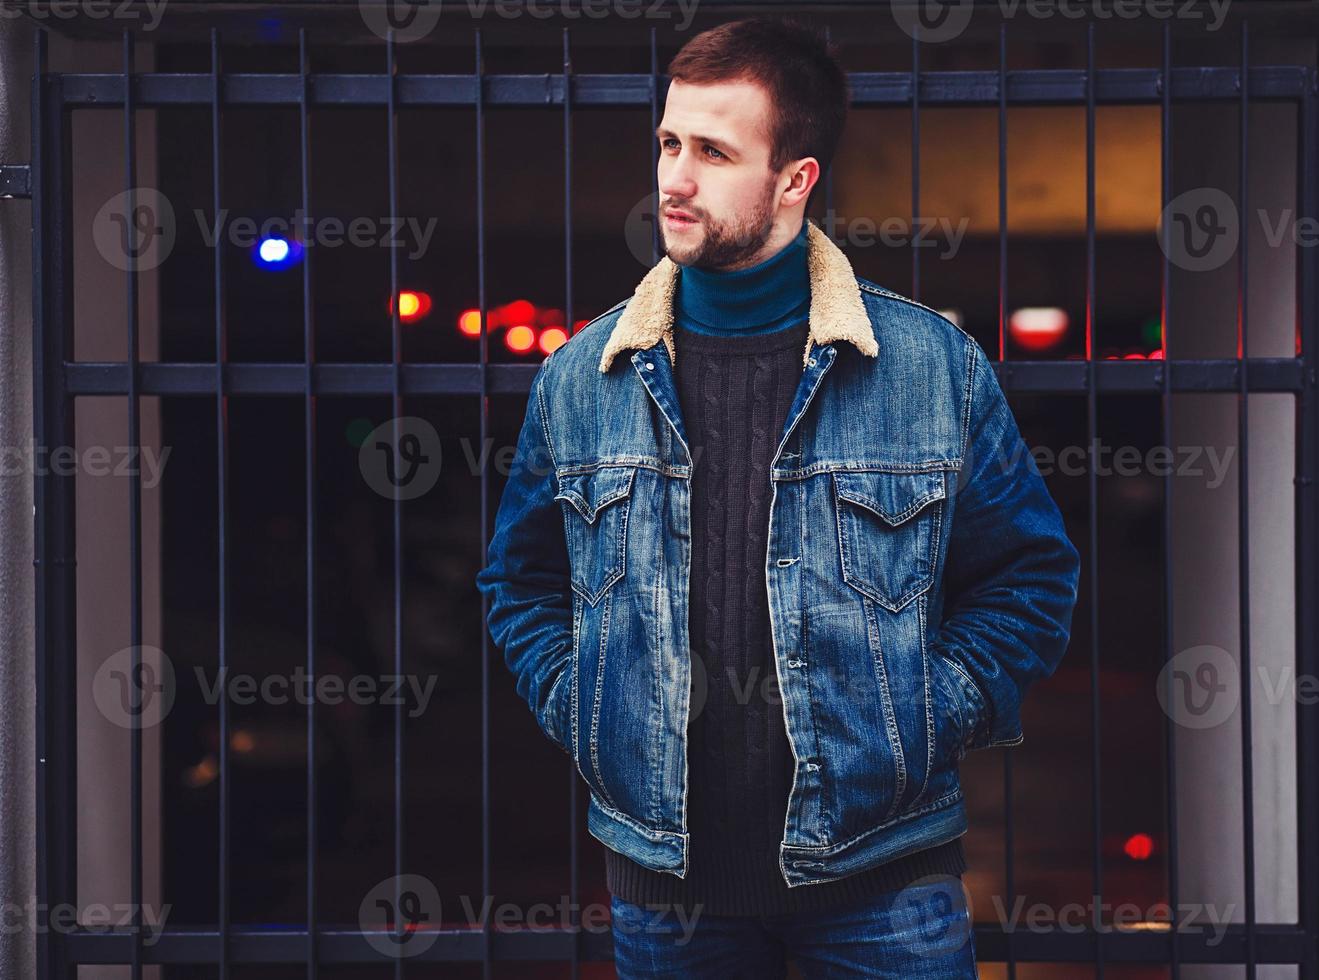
(520, 339)
(552, 338)
(1139, 847)
(412, 305)
(1038, 327)
(469, 322)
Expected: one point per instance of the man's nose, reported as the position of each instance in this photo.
(675, 180)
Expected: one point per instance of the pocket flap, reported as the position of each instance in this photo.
(893, 496)
(592, 490)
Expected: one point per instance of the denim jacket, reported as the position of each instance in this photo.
(918, 573)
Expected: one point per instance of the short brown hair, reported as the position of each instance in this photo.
(807, 87)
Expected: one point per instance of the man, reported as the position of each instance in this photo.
(763, 467)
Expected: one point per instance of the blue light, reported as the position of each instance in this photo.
(277, 253)
(274, 250)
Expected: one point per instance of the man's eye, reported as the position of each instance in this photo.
(665, 143)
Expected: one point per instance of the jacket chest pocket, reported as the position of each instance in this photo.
(595, 527)
(888, 532)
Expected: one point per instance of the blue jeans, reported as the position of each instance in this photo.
(921, 931)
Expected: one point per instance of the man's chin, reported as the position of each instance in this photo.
(681, 252)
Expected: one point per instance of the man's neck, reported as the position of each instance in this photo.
(771, 295)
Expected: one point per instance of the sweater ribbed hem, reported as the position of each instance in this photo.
(732, 883)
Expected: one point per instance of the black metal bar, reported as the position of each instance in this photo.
(1278, 943)
(1307, 537)
(915, 159)
(570, 768)
(1243, 510)
(1125, 86)
(1165, 404)
(829, 175)
(134, 511)
(1091, 428)
(222, 498)
(654, 91)
(1267, 374)
(478, 68)
(309, 503)
(54, 519)
(396, 441)
(1009, 821)
(15, 181)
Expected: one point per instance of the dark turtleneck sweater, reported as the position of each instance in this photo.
(743, 333)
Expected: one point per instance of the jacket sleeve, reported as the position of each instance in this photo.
(1011, 573)
(526, 577)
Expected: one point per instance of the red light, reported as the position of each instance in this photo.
(469, 323)
(1133, 356)
(520, 339)
(549, 317)
(412, 305)
(552, 338)
(518, 311)
(1139, 847)
(1156, 355)
(1037, 327)
(579, 324)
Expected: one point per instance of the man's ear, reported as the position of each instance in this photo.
(803, 176)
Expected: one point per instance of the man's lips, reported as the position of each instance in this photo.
(679, 217)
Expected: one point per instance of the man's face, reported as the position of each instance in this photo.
(714, 168)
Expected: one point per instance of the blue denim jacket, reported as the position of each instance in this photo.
(919, 577)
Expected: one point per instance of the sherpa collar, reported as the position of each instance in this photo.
(837, 311)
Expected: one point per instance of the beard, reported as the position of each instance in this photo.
(724, 245)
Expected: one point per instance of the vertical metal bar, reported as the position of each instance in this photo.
(829, 176)
(134, 516)
(1307, 551)
(1165, 318)
(1091, 397)
(309, 502)
(1003, 196)
(1009, 826)
(54, 503)
(478, 80)
(1243, 508)
(222, 495)
(654, 169)
(396, 412)
(570, 768)
(915, 158)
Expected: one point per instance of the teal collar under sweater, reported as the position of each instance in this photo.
(772, 295)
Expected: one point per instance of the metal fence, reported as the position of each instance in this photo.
(60, 381)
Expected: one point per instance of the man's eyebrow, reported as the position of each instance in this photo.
(661, 132)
